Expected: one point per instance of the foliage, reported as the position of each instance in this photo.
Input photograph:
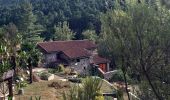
(44, 75)
(60, 68)
(4, 62)
(90, 35)
(36, 98)
(23, 59)
(67, 70)
(120, 95)
(28, 15)
(88, 91)
(118, 77)
(63, 32)
(52, 71)
(10, 98)
(137, 38)
(21, 84)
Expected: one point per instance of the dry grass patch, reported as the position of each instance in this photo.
(106, 88)
(42, 89)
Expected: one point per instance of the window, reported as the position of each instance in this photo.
(78, 60)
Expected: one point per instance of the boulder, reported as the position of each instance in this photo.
(36, 78)
(51, 77)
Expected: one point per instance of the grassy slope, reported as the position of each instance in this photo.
(42, 89)
(49, 93)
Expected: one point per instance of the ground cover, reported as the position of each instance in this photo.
(42, 89)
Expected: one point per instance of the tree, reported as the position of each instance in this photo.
(63, 32)
(138, 37)
(90, 35)
(9, 41)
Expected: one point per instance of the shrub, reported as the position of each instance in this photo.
(52, 71)
(21, 84)
(118, 77)
(87, 91)
(67, 70)
(60, 68)
(44, 75)
(36, 98)
(119, 94)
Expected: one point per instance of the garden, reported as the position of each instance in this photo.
(63, 81)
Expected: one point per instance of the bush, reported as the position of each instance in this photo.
(118, 77)
(89, 90)
(75, 80)
(67, 70)
(44, 75)
(119, 94)
(60, 68)
(21, 84)
(52, 71)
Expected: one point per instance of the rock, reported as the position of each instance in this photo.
(51, 77)
(20, 91)
(36, 78)
(27, 72)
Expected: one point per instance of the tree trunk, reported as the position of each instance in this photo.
(143, 66)
(30, 68)
(126, 85)
(30, 74)
(150, 83)
(124, 75)
(10, 87)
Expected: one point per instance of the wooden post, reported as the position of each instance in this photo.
(30, 68)
(10, 87)
(13, 64)
(30, 74)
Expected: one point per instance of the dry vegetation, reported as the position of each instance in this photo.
(51, 90)
(42, 89)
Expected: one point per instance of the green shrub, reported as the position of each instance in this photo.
(21, 84)
(119, 94)
(52, 71)
(36, 98)
(118, 77)
(89, 90)
(60, 68)
(44, 75)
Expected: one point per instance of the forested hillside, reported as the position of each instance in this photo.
(80, 14)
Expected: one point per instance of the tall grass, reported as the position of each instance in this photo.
(88, 90)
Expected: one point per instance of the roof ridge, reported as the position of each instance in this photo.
(63, 41)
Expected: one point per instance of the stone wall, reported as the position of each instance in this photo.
(82, 66)
(107, 75)
(51, 57)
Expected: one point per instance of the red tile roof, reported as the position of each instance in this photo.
(57, 46)
(98, 60)
(76, 52)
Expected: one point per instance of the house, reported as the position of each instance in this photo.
(79, 54)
